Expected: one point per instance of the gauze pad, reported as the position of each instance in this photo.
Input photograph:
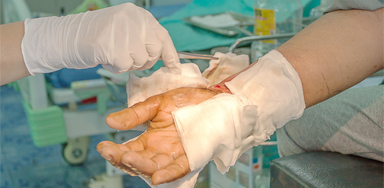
(227, 65)
(139, 89)
(274, 86)
(211, 130)
(162, 80)
(265, 97)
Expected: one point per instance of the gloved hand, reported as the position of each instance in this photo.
(121, 38)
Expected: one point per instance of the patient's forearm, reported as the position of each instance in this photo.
(336, 52)
(12, 66)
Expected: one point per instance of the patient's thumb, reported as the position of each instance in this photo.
(120, 121)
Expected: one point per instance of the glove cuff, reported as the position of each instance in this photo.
(38, 49)
(51, 43)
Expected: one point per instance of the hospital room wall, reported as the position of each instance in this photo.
(54, 6)
(168, 2)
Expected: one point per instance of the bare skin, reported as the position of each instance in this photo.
(331, 56)
(158, 153)
(12, 66)
(337, 51)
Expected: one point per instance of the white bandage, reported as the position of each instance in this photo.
(227, 65)
(140, 89)
(265, 97)
(274, 86)
(211, 130)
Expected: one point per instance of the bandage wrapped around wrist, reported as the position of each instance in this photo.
(139, 89)
(265, 97)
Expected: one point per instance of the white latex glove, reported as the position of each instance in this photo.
(121, 38)
(264, 97)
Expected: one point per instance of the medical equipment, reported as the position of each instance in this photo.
(255, 38)
(319, 10)
(275, 17)
(186, 55)
(227, 23)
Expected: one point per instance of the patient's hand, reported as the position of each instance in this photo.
(158, 153)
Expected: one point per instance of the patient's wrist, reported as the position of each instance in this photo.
(220, 87)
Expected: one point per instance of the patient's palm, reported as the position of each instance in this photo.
(158, 153)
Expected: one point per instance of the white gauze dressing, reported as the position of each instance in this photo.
(162, 80)
(265, 97)
(227, 65)
(139, 89)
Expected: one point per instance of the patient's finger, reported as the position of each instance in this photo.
(135, 145)
(127, 170)
(162, 160)
(135, 115)
(178, 169)
(111, 153)
(147, 154)
(102, 144)
(143, 161)
(136, 161)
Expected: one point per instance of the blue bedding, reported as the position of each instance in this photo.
(64, 77)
